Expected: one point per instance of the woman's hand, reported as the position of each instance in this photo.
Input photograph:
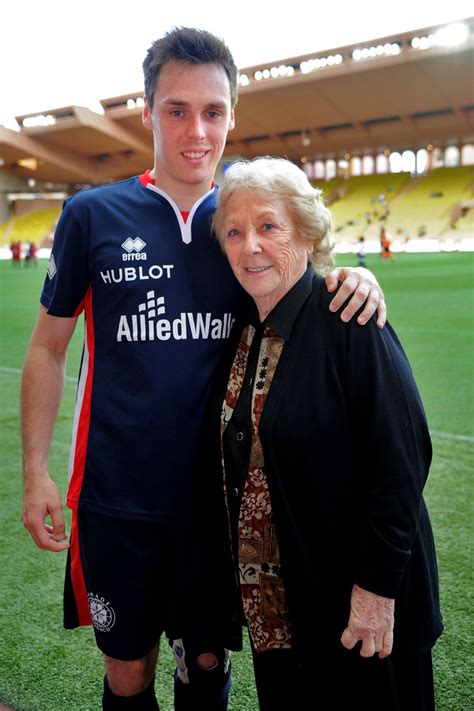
(364, 287)
(371, 622)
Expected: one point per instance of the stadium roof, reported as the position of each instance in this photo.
(398, 92)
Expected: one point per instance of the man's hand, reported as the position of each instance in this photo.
(371, 622)
(365, 288)
(42, 384)
(41, 499)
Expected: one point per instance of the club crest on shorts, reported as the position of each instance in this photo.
(102, 612)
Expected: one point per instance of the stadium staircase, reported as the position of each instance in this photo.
(428, 208)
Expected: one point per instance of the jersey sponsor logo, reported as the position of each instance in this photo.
(151, 324)
(133, 249)
(102, 612)
(155, 271)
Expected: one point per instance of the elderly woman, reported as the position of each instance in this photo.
(317, 432)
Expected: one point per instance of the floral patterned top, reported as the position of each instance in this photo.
(262, 589)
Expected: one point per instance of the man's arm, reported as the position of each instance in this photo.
(41, 391)
(365, 288)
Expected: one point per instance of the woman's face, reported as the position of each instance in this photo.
(263, 247)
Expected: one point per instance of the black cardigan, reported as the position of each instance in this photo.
(347, 453)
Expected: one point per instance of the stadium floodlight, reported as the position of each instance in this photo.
(309, 65)
(448, 36)
(452, 35)
(305, 139)
(387, 49)
(244, 80)
(38, 120)
(28, 163)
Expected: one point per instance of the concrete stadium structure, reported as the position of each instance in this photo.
(402, 92)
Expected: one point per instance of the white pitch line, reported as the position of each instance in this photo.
(450, 435)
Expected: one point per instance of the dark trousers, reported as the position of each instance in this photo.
(397, 683)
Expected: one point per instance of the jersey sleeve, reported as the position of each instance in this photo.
(68, 277)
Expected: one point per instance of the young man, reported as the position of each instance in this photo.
(159, 301)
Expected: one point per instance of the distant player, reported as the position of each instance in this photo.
(385, 246)
(361, 257)
(16, 253)
(33, 254)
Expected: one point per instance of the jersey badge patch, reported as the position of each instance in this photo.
(102, 612)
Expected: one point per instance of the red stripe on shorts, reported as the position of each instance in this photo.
(77, 576)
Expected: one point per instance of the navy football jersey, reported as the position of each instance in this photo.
(159, 300)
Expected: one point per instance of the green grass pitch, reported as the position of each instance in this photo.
(44, 668)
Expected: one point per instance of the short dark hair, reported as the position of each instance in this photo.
(192, 46)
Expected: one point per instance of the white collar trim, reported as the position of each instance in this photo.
(185, 227)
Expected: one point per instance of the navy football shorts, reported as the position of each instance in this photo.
(120, 577)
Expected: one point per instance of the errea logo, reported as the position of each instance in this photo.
(51, 266)
(133, 249)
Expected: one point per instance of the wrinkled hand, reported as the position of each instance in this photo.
(364, 287)
(42, 499)
(371, 622)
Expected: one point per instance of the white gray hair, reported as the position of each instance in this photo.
(278, 178)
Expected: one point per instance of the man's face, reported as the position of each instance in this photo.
(190, 119)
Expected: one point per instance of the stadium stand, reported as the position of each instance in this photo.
(333, 106)
(36, 226)
(329, 189)
(464, 224)
(439, 205)
(428, 205)
(363, 204)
